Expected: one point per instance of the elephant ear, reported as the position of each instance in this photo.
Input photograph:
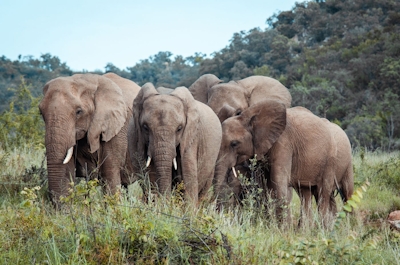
(136, 137)
(192, 117)
(200, 87)
(267, 121)
(109, 115)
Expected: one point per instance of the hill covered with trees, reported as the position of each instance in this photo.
(339, 58)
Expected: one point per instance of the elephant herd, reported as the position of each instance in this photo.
(108, 127)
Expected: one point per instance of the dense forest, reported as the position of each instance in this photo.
(339, 58)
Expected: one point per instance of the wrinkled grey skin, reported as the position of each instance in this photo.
(88, 113)
(300, 147)
(230, 99)
(344, 178)
(168, 126)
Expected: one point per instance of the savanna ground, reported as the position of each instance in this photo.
(99, 229)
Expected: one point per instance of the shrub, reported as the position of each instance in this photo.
(22, 124)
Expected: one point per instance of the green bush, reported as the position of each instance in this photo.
(22, 123)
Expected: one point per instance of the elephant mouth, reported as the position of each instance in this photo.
(80, 134)
(175, 161)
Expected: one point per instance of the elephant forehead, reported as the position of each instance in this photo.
(59, 100)
(232, 128)
(227, 95)
(68, 89)
(164, 109)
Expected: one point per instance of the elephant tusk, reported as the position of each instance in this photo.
(69, 155)
(234, 172)
(175, 164)
(148, 161)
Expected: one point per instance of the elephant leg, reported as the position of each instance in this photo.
(190, 178)
(280, 174)
(286, 212)
(112, 161)
(332, 204)
(127, 172)
(324, 206)
(111, 175)
(305, 194)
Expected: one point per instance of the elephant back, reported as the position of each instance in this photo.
(129, 88)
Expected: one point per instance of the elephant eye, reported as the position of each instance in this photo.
(79, 111)
(238, 112)
(179, 128)
(145, 127)
(234, 144)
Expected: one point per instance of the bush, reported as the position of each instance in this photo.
(22, 123)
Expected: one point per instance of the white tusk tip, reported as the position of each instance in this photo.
(148, 161)
(234, 172)
(69, 155)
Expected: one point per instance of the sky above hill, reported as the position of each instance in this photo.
(88, 34)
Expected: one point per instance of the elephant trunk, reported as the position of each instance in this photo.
(163, 163)
(60, 166)
(57, 180)
(162, 150)
(221, 187)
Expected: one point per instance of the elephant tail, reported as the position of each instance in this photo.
(346, 185)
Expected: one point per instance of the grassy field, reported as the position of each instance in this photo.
(99, 229)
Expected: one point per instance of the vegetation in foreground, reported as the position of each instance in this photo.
(101, 229)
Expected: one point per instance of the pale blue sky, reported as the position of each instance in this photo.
(87, 34)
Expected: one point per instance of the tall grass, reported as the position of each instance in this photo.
(94, 228)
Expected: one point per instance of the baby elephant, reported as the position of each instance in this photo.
(174, 133)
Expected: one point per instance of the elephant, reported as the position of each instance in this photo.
(199, 89)
(230, 99)
(300, 149)
(174, 130)
(86, 124)
(344, 178)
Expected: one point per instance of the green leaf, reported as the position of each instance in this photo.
(352, 203)
(347, 208)
(356, 198)
(341, 215)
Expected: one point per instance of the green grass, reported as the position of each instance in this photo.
(99, 229)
